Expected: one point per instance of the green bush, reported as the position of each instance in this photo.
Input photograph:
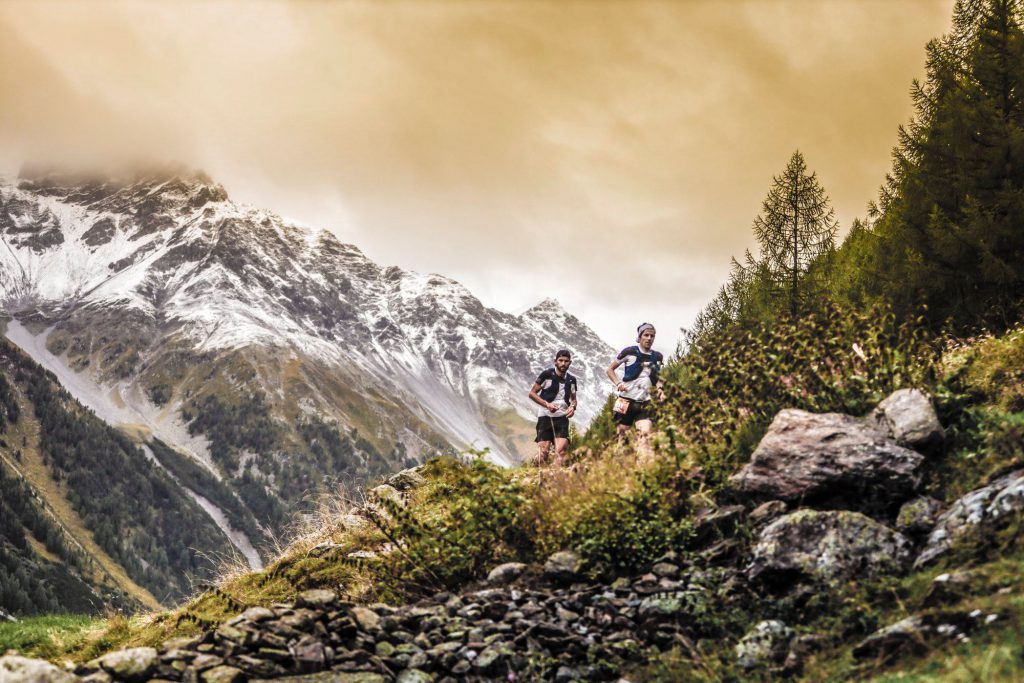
(471, 516)
(722, 394)
(624, 530)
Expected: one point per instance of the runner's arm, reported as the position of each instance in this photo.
(572, 402)
(619, 384)
(535, 397)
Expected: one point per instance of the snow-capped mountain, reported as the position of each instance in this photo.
(149, 294)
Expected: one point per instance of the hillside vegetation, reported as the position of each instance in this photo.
(925, 293)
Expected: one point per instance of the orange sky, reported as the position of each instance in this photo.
(610, 154)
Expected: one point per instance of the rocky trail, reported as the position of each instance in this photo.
(825, 498)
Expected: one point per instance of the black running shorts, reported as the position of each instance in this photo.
(638, 410)
(550, 428)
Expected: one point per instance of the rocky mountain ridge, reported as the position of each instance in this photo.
(246, 341)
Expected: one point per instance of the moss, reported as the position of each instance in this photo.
(992, 369)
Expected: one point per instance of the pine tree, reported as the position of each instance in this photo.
(796, 226)
(948, 221)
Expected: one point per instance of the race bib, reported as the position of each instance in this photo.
(621, 405)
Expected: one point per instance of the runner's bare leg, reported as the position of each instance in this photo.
(644, 451)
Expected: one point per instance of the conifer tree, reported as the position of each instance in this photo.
(948, 221)
(796, 226)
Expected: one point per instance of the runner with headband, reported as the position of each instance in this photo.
(640, 374)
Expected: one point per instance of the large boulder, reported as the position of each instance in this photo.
(908, 416)
(976, 515)
(27, 670)
(131, 664)
(811, 545)
(831, 458)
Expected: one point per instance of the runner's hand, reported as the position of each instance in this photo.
(552, 407)
(571, 411)
(621, 386)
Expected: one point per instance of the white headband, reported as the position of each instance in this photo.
(643, 328)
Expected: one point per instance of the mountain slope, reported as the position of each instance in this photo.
(89, 520)
(276, 357)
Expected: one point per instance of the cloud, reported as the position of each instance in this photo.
(610, 154)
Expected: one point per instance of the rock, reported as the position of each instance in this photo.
(367, 619)
(661, 606)
(257, 614)
(767, 643)
(318, 598)
(133, 664)
(918, 516)
(505, 573)
(222, 674)
(915, 634)
(388, 492)
(809, 545)
(310, 654)
(332, 677)
(414, 676)
(799, 649)
(567, 674)
(228, 632)
(489, 659)
(98, 677)
(976, 514)
(407, 479)
(908, 416)
(829, 457)
(948, 588)
(713, 524)
(665, 570)
(766, 512)
(563, 567)
(24, 669)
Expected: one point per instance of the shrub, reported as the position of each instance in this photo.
(468, 518)
(721, 395)
(623, 530)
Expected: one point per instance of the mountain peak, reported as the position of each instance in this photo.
(546, 306)
(143, 179)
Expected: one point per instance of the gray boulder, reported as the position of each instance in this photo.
(407, 479)
(564, 567)
(975, 514)
(505, 573)
(132, 664)
(27, 670)
(908, 416)
(766, 643)
(829, 457)
(811, 545)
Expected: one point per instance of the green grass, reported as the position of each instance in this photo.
(48, 636)
(994, 657)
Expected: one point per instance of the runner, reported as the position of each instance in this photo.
(640, 375)
(555, 393)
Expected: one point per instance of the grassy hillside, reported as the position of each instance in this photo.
(467, 517)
